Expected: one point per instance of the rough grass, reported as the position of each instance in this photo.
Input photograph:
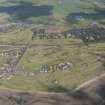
(84, 59)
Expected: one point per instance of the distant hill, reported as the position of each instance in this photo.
(51, 11)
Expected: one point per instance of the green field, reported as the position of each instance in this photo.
(84, 59)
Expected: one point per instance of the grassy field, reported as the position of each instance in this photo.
(84, 59)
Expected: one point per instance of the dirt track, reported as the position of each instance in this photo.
(92, 93)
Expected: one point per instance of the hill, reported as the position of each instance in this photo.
(91, 94)
(52, 12)
(50, 45)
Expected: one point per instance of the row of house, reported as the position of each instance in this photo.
(49, 32)
(86, 34)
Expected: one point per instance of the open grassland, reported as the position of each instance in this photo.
(11, 43)
(84, 59)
